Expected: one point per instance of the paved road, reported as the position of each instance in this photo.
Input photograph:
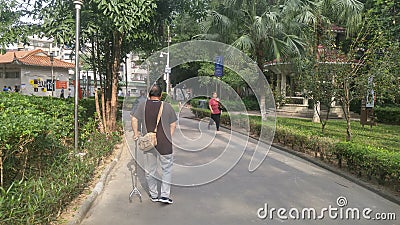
(283, 180)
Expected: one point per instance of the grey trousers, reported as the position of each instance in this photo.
(151, 165)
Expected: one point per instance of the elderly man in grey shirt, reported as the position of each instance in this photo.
(147, 112)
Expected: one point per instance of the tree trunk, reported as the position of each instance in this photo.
(260, 64)
(348, 129)
(103, 109)
(346, 109)
(324, 122)
(1, 169)
(126, 76)
(107, 91)
(262, 103)
(317, 111)
(102, 91)
(109, 56)
(96, 95)
(114, 82)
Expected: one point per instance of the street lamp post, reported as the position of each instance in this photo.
(84, 77)
(87, 85)
(148, 79)
(52, 73)
(167, 68)
(78, 5)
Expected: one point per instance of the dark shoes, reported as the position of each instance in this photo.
(166, 200)
(162, 199)
(154, 199)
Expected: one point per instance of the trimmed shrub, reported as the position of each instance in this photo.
(355, 106)
(365, 161)
(251, 103)
(41, 171)
(370, 162)
(388, 114)
(164, 96)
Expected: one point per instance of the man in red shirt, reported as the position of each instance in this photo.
(215, 110)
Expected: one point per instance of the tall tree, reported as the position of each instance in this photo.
(384, 17)
(261, 29)
(12, 29)
(114, 27)
(319, 16)
(319, 85)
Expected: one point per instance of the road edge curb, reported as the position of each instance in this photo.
(371, 187)
(96, 191)
(337, 171)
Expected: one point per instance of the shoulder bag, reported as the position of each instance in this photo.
(149, 141)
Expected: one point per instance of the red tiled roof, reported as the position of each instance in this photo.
(336, 28)
(334, 56)
(33, 58)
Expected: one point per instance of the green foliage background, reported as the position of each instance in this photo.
(41, 171)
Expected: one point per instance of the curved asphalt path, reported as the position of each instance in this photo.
(283, 180)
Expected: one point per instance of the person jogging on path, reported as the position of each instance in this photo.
(215, 110)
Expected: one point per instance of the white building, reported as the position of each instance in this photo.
(47, 45)
(137, 76)
(34, 73)
(133, 86)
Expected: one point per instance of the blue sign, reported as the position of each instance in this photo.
(219, 66)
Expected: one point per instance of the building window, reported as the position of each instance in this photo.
(13, 75)
(67, 57)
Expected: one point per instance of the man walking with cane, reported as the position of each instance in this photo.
(147, 112)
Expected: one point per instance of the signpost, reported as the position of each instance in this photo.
(370, 98)
(219, 66)
(219, 71)
(367, 105)
(50, 86)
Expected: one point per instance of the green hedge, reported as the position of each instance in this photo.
(41, 171)
(249, 102)
(370, 162)
(388, 114)
(365, 161)
(195, 102)
(32, 132)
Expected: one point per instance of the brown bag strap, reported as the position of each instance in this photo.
(159, 116)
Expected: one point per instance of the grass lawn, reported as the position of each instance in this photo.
(175, 106)
(381, 136)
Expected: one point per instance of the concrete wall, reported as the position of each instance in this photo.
(9, 82)
(29, 73)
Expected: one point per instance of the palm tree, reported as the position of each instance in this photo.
(260, 29)
(319, 15)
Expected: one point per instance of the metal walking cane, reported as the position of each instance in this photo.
(135, 190)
